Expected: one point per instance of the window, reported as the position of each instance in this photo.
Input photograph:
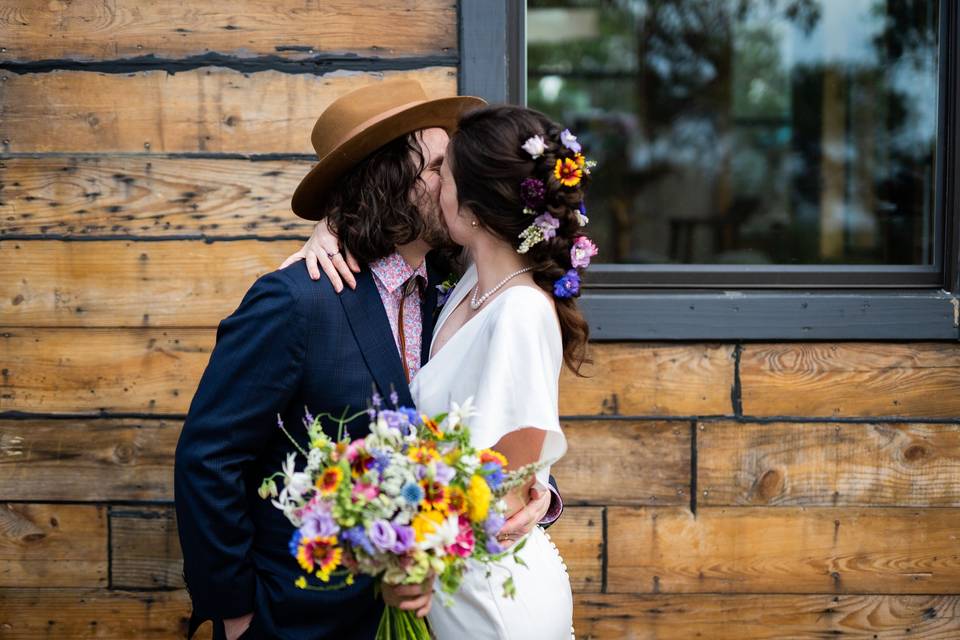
(775, 149)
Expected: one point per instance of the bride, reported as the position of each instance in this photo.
(512, 196)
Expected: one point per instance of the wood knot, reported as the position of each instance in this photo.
(914, 453)
(124, 453)
(770, 484)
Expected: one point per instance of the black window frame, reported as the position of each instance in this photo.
(748, 302)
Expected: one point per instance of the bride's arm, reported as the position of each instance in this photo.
(521, 447)
(323, 248)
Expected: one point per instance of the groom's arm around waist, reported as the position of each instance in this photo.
(254, 369)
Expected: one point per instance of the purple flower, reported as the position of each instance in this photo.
(405, 538)
(317, 521)
(569, 141)
(532, 192)
(444, 295)
(377, 400)
(582, 215)
(396, 420)
(382, 535)
(493, 524)
(445, 473)
(583, 249)
(358, 538)
(567, 286)
(548, 225)
(493, 546)
(381, 460)
(394, 398)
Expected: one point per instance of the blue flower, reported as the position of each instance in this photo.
(412, 416)
(357, 537)
(381, 460)
(295, 542)
(494, 474)
(567, 286)
(412, 493)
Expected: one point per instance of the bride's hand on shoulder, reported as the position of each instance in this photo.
(323, 249)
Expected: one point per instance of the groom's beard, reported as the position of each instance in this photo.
(435, 231)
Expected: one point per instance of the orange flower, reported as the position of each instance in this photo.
(435, 496)
(568, 172)
(458, 500)
(432, 427)
(329, 480)
(489, 455)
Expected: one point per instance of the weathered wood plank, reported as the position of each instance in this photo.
(102, 370)
(652, 379)
(128, 459)
(157, 371)
(822, 464)
(210, 109)
(144, 548)
(146, 196)
(917, 380)
(53, 545)
(27, 614)
(578, 535)
(652, 463)
(128, 284)
(784, 550)
(92, 460)
(765, 616)
(96, 30)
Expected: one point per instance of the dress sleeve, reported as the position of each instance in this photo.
(519, 383)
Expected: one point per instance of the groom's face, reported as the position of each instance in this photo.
(426, 195)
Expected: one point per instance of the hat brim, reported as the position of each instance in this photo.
(307, 201)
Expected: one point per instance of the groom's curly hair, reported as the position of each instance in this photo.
(370, 208)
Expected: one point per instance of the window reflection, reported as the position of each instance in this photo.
(747, 131)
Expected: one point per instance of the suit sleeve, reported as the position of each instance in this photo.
(253, 371)
(556, 505)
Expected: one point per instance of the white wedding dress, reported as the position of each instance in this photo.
(508, 358)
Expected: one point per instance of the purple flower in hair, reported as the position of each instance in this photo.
(567, 286)
(569, 141)
(548, 225)
(532, 192)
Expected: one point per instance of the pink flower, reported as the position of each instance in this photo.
(463, 545)
(583, 249)
(367, 491)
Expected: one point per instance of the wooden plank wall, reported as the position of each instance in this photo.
(149, 151)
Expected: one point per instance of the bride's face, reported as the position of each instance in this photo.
(456, 219)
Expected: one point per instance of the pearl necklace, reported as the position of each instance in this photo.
(477, 303)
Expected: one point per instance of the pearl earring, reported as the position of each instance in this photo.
(474, 224)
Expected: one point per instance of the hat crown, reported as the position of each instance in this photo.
(361, 108)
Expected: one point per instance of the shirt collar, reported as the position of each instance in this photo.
(393, 271)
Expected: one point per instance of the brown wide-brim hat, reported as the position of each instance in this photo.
(360, 122)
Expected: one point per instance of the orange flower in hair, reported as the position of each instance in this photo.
(568, 172)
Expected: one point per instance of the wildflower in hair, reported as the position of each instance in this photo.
(569, 141)
(535, 146)
(532, 192)
(582, 215)
(568, 172)
(530, 236)
(548, 225)
(567, 286)
(583, 249)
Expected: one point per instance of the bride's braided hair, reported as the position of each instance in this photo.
(493, 169)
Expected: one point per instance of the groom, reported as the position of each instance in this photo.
(293, 344)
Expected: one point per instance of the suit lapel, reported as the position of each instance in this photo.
(371, 328)
(429, 310)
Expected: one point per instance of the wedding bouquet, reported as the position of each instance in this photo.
(411, 498)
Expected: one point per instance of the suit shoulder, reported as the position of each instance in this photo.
(305, 290)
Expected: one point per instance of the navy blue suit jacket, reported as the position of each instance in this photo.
(293, 343)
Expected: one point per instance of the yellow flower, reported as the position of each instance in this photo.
(423, 455)
(479, 497)
(435, 496)
(425, 523)
(329, 480)
(301, 583)
(320, 553)
(568, 172)
(349, 579)
(458, 500)
(432, 426)
(581, 161)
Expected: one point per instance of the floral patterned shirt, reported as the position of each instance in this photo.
(390, 274)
